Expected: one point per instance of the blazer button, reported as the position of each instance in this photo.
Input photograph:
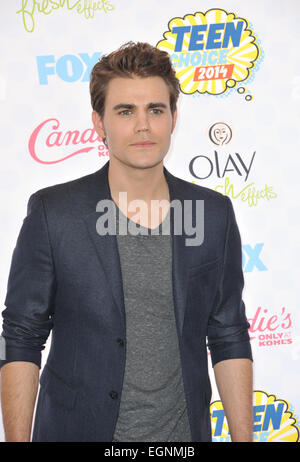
(113, 394)
(120, 342)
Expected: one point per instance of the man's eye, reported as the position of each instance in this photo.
(156, 111)
(125, 112)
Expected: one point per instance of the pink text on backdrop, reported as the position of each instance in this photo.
(49, 135)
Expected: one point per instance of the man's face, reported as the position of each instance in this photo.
(137, 121)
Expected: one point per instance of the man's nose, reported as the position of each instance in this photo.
(142, 123)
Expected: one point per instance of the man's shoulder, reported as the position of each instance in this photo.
(218, 208)
(61, 188)
(61, 198)
(194, 191)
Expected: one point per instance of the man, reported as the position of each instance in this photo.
(129, 313)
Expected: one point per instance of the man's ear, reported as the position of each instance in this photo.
(174, 119)
(98, 124)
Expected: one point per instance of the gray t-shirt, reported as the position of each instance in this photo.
(153, 406)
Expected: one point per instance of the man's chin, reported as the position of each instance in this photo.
(146, 164)
(141, 163)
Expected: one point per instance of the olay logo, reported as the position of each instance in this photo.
(63, 144)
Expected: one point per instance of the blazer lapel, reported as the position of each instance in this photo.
(107, 248)
(179, 251)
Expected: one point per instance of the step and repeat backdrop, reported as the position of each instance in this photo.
(237, 133)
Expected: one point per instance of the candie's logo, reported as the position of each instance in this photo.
(49, 144)
(270, 329)
(211, 52)
(273, 420)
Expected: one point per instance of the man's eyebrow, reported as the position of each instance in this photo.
(154, 105)
(132, 106)
(123, 106)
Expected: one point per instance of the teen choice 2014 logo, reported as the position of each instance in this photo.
(273, 420)
(212, 52)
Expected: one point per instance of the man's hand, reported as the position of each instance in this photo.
(234, 378)
(19, 385)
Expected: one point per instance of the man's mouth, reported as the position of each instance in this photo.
(143, 144)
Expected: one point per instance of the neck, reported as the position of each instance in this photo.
(139, 183)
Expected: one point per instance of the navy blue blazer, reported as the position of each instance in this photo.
(67, 278)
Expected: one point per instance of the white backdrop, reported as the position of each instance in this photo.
(46, 55)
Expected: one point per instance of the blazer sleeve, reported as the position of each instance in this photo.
(30, 290)
(227, 333)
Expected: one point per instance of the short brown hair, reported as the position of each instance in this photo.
(132, 59)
